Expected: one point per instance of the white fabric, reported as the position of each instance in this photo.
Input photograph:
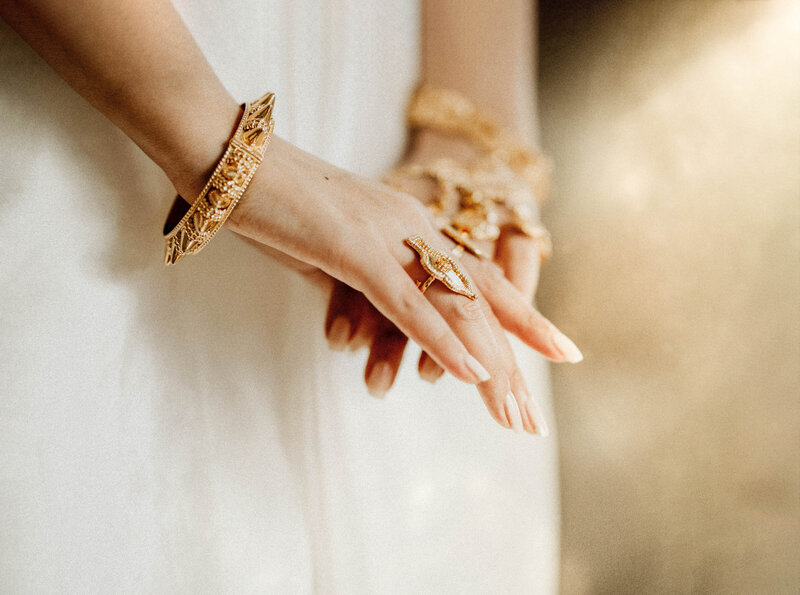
(186, 430)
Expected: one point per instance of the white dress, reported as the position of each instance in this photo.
(187, 430)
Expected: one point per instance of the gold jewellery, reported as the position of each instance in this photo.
(440, 267)
(468, 199)
(509, 179)
(227, 184)
(452, 113)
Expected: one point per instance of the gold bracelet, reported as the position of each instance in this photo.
(450, 112)
(227, 184)
(467, 200)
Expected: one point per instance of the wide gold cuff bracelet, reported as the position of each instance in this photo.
(227, 184)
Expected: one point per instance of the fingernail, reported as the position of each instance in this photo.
(380, 379)
(474, 366)
(522, 395)
(567, 348)
(339, 335)
(430, 370)
(513, 413)
(537, 417)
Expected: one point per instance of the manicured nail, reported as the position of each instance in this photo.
(567, 348)
(513, 413)
(474, 366)
(537, 417)
(528, 424)
(339, 335)
(430, 370)
(380, 379)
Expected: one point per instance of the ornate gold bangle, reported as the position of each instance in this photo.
(450, 112)
(227, 184)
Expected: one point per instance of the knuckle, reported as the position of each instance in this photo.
(515, 377)
(406, 302)
(494, 405)
(533, 320)
(492, 272)
(444, 344)
(363, 262)
(420, 212)
(525, 323)
(468, 310)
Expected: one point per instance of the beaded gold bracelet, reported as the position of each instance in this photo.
(450, 112)
(227, 184)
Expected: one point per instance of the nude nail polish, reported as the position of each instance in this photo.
(339, 334)
(430, 370)
(537, 417)
(567, 348)
(474, 366)
(513, 413)
(380, 379)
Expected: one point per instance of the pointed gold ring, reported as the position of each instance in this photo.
(440, 267)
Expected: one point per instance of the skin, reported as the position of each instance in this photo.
(487, 52)
(138, 64)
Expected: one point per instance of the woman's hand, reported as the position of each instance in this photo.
(353, 230)
(517, 254)
(313, 215)
(352, 321)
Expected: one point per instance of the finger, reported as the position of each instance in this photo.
(428, 369)
(468, 318)
(345, 310)
(384, 358)
(517, 315)
(367, 327)
(519, 257)
(532, 418)
(405, 305)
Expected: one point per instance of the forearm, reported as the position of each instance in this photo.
(137, 63)
(485, 50)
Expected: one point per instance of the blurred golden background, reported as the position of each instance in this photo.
(675, 128)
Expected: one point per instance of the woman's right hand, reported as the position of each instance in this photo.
(353, 229)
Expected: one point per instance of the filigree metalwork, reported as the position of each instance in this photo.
(227, 184)
(440, 267)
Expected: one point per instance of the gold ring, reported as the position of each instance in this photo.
(463, 240)
(440, 267)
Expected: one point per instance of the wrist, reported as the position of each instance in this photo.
(195, 146)
(231, 175)
(428, 144)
